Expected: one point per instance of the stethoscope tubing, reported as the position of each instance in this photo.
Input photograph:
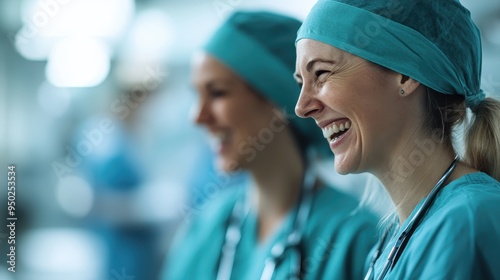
(406, 234)
(292, 241)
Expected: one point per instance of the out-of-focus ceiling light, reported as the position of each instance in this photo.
(147, 44)
(46, 22)
(78, 62)
(150, 36)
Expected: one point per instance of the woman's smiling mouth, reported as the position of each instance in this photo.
(336, 129)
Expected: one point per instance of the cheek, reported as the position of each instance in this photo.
(244, 120)
(340, 96)
(373, 111)
(227, 113)
(366, 102)
(376, 112)
(257, 123)
(367, 93)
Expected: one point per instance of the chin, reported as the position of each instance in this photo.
(344, 167)
(342, 171)
(227, 165)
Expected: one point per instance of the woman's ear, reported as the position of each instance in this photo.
(407, 85)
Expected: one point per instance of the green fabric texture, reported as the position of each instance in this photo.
(335, 242)
(259, 47)
(434, 42)
(458, 237)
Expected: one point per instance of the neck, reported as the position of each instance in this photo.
(414, 173)
(277, 173)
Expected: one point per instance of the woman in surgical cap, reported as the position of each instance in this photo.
(403, 76)
(285, 224)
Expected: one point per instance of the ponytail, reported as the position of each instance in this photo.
(482, 140)
(482, 137)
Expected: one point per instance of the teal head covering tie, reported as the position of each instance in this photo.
(434, 42)
(259, 47)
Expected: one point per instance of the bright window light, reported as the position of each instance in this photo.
(78, 62)
(62, 253)
(51, 20)
(150, 36)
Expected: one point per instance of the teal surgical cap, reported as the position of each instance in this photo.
(260, 48)
(432, 41)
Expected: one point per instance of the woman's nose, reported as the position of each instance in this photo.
(307, 105)
(201, 113)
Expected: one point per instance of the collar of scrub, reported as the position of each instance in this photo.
(284, 242)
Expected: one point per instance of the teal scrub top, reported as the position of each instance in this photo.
(336, 241)
(459, 238)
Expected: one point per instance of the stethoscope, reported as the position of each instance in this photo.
(405, 235)
(291, 243)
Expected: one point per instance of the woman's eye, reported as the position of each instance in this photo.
(217, 93)
(319, 73)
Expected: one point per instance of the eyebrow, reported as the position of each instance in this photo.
(311, 63)
(211, 83)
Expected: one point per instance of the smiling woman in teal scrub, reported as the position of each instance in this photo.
(285, 224)
(402, 75)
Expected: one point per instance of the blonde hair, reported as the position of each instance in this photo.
(482, 139)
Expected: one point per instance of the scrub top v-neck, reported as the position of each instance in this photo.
(457, 239)
(336, 241)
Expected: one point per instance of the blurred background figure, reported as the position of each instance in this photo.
(117, 175)
(65, 66)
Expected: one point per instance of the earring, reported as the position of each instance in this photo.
(402, 91)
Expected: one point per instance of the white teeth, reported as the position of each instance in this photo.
(326, 132)
(330, 130)
(216, 139)
(220, 136)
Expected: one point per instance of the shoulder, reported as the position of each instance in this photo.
(472, 202)
(339, 218)
(332, 206)
(214, 212)
(201, 235)
(459, 234)
(329, 198)
(206, 221)
(340, 235)
(466, 207)
(468, 210)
